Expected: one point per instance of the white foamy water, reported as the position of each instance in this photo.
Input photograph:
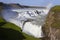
(35, 20)
(34, 30)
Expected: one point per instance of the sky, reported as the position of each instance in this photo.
(33, 2)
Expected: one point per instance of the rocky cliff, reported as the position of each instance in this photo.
(51, 27)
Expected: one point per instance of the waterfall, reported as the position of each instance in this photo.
(29, 20)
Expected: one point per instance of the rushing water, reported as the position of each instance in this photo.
(29, 20)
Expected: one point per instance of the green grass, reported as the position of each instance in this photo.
(56, 8)
(56, 15)
(9, 31)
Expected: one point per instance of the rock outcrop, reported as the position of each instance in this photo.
(51, 27)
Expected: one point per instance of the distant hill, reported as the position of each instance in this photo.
(16, 5)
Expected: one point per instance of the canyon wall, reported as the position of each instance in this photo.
(51, 27)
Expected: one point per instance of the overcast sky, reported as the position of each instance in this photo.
(33, 2)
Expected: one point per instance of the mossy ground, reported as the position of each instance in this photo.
(9, 31)
(56, 16)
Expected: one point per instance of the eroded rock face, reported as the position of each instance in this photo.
(51, 27)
